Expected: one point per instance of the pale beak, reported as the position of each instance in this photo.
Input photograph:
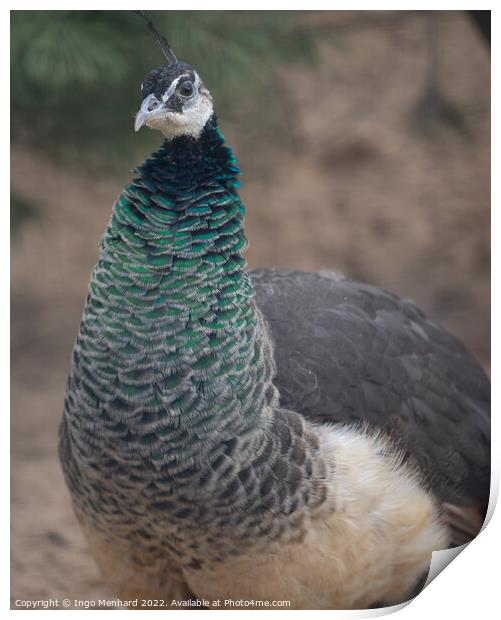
(150, 107)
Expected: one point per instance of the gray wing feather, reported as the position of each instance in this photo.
(352, 353)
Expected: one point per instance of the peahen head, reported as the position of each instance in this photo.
(175, 101)
(174, 98)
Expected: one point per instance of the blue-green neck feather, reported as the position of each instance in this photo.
(172, 345)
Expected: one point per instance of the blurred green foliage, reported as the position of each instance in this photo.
(76, 74)
(22, 211)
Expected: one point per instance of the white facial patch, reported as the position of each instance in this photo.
(190, 122)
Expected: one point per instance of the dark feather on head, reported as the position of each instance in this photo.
(161, 40)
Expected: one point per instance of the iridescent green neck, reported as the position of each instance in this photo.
(182, 213)
(172, 345)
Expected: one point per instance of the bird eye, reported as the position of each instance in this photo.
(186, 89)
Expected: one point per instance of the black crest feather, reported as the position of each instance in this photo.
(161, 40)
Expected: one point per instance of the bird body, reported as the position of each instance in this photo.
(214, 444)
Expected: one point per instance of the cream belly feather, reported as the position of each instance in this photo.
(371, 542)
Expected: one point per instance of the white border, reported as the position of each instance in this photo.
(469, 585)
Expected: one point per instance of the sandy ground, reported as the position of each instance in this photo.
(352, 188)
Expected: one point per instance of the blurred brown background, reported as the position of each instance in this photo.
(376, 164)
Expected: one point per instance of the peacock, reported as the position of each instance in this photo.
(256, 435)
